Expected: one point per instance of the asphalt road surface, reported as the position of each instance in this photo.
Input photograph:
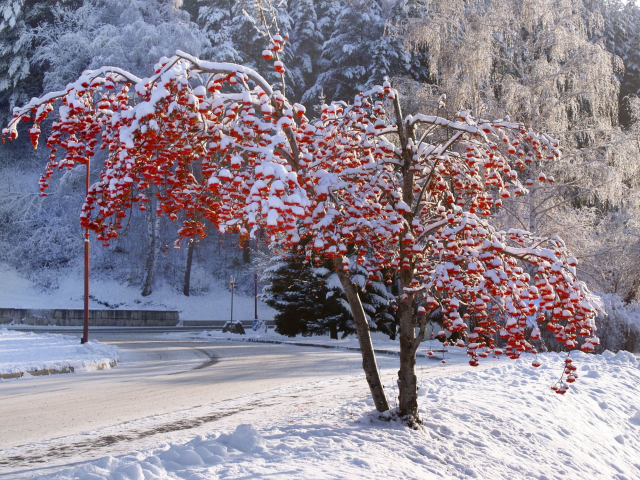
(162, 390)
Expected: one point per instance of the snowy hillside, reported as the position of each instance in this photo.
(18, 292)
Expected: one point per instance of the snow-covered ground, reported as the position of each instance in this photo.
(28, 352)
(497, 422)
(18, 292)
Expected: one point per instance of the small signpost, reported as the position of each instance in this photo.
(232, 284)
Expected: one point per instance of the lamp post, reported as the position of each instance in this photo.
(255, 282)
(85, 330)
(232, 284)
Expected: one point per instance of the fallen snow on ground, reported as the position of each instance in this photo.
(27, 352)
(498, 422)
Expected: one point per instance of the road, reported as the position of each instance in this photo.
(165, 389)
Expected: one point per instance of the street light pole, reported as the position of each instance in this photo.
(255, 282)
(85, 331)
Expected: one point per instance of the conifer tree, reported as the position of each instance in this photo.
(310, 300)
(215, 17)
(356, 55)
(306, 43)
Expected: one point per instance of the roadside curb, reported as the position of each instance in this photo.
(55, 371)
(382, 351)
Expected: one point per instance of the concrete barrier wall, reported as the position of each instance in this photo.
(97, 318)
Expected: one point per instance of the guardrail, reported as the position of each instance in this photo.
(218, 324)
(97, 318)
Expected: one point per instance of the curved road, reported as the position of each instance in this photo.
(162, 388)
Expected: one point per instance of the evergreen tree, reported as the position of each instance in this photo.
(310, 300)
(413, 60)
(357, 54)
(239, 30)
(306, 45)
(214, 17)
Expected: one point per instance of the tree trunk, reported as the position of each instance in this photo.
(187, 272)
(246, 251)
(407, 378)
(333, 332)
(153, 230)
(533, 224)
(364, 338)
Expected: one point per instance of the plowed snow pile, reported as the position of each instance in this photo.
(499, 422)
(27, 352)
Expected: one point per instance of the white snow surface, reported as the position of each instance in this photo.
(18, 292)
(490, 423)
(27, 352)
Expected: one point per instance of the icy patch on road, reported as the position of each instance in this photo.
(28, 352)
(500, 422)
(380, 341)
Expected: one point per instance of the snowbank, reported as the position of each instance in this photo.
(499, 422)
(18, 292)
(29, 352)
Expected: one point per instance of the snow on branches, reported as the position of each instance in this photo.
(407, 196)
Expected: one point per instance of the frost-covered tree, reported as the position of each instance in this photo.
(128, 34)
(605, 233)
(622, 35)
(544, 62)
(19, 19)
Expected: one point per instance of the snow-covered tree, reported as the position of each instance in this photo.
(215, 19)
(404, 194)
(356, 55)
(310, 299)
(238, 29)
(306, 44)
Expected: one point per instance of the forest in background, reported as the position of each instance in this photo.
(566, 67)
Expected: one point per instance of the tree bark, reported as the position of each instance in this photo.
(187, 272)
(364, 338)
(246, 251)
(153, 230)
(407, 378)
